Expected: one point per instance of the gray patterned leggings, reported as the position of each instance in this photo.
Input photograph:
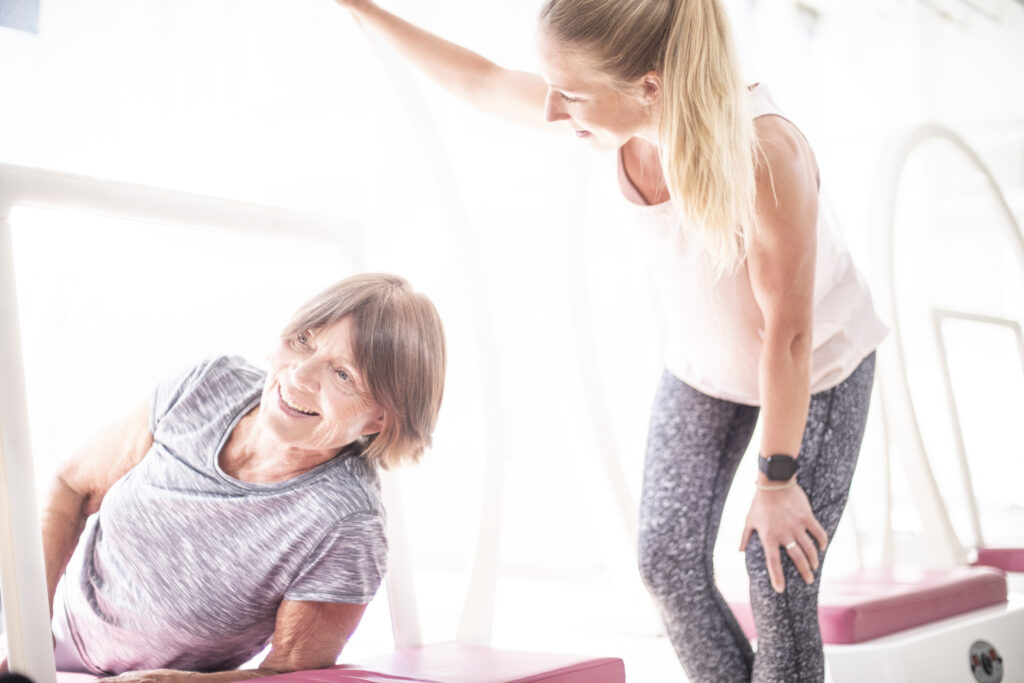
(694, 447)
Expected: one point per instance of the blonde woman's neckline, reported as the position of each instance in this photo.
(640, 171)
(636, 181)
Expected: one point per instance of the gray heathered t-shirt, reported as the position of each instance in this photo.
(184, 567)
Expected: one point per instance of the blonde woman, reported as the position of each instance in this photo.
(766, 311)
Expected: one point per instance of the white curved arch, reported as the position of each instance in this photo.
(893, 376)
(477, 619)
(595, 393)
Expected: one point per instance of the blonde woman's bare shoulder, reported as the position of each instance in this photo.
(781, 142)
(785, 156)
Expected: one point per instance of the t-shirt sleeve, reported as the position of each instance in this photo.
(347, 566)
(170, 390)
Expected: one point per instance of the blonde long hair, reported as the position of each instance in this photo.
(707, 144)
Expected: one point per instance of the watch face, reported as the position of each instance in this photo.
(780, 467)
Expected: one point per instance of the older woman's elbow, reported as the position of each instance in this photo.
(288, 666)
(302, 656)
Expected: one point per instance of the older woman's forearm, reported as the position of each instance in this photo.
(173, 676)
(63, 520)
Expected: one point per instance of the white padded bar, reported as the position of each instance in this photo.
(405, 616)
(22, 573)
(24, 186)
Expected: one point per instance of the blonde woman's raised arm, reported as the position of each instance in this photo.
(517, 96)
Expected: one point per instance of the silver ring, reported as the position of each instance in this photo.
(792, 544)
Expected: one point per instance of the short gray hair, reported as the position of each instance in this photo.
(399, 346)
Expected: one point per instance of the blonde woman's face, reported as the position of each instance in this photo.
(595, 107)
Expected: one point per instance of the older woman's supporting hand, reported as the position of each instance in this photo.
(172, 676)
(154, 676)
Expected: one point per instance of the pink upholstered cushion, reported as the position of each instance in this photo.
(1007, 559)
(874, 603)
(343, 674)
(334, 675)
(451, 663)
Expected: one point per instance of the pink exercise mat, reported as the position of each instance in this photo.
(451, 663)
(873, 603)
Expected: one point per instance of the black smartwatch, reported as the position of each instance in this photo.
(777, 467)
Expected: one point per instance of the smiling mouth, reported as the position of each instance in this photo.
(292, 407)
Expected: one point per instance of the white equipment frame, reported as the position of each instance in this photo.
(22, 571)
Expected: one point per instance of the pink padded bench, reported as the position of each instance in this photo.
(877, 602)
(1007, 559)
(451, 663)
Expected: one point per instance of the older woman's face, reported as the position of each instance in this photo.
(314, 397)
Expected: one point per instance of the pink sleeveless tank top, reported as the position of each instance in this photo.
(715, 327)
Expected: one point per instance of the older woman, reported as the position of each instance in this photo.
(241, 507)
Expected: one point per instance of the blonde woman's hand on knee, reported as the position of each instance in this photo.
(785, 523)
